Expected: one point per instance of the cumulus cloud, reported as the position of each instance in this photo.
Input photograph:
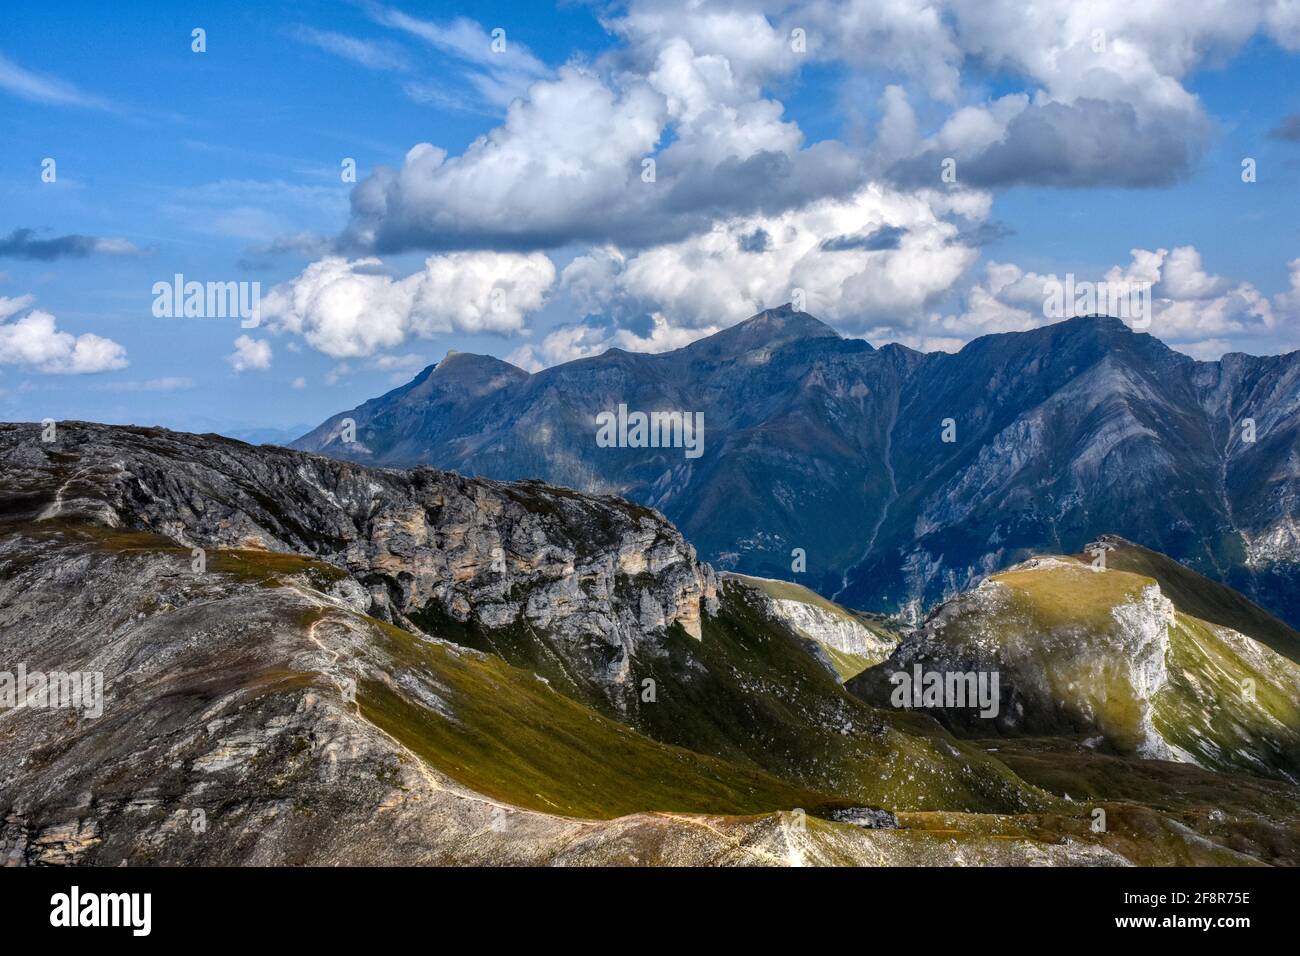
(561, 162)
(874, 259)
(1194, 310)
(250, 355)
(569, 164)
(1102, 103)
(1097, 84)
(34, 341)
(23, 244)
(348, 308)
(1088, 142)
(562, 345)
(1104, 100)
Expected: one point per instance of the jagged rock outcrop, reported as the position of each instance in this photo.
(601, 575)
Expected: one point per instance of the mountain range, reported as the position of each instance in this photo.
(886, 478)
(308, 661)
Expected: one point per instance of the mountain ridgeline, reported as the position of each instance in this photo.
(904, 477)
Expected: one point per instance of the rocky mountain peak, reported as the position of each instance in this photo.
(480, 373)
(771, 329)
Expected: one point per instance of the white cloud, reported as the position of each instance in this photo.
(13, 305)
(464, 39)
(1107, 71)
(879, 256)
(563, 160)
(170, 383)
(583, 341)
(348, 309)
(46, 89)
(1195, 311)
(250, 354)
(34, 341)
(367, 53)
(497, 70)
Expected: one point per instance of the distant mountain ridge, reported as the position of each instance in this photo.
(829, 445)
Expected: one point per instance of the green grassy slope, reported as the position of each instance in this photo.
(1087, 652)
(1200, 597)
(511, 737)
(751, 693)
(1230, 703)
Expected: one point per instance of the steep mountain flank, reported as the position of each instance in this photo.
(850, 640)
(1078, 650)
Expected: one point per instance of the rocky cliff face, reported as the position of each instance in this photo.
(848, 641)
(601, 576)
(826, 627)
(831, 446)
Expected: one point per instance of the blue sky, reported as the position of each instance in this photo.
(224, 165)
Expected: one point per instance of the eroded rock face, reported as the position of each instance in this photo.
(835, 630)
(1081, 669)
(1107, 655)
(601, 574)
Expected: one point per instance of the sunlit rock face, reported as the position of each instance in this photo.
(600, 576)
(1106, 654)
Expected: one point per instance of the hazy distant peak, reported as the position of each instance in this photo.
(466, 373)
(471, 367)
(770, 328)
